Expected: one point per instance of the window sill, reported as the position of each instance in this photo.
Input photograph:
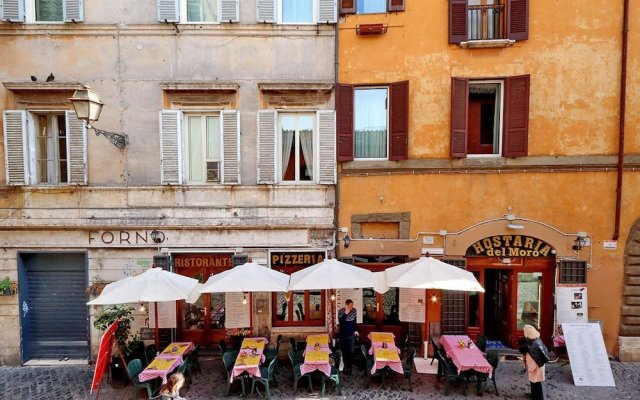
(199, 85)
(41, 86)
(485, 44)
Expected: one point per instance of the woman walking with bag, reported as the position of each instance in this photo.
(536, 356)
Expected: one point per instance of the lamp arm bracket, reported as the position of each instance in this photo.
(117, 139)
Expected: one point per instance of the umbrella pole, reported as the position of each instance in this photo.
(251, 313)
(155, 306)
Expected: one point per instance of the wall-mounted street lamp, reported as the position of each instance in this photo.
(580, 241)
(88, 106)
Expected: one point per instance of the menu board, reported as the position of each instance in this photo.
(571, 304)
(412, 305)
(237, 315)
(355, 295)
(589, 360)
(166, 315)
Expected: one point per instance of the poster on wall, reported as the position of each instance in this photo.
(166, 314)
(355, 295)
(589, 359)
(571, 303)
(237, 315)
(412, 305)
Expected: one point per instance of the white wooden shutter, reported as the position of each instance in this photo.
(15, 146)
(169, 10)
(266, 11)
(326, 147)
(76, 149)
(229, 10)
(73, 10)
(230, 147)
(171, 147)
(327, 11)
(12, 10)
(267, 153)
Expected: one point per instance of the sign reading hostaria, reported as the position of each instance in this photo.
(296, 259)
(510, 246)
(206, 260)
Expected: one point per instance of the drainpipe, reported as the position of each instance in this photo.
(623, 95)
(337, 190)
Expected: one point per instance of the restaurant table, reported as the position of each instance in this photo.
(378, 338)
(316, 355)
(160, 367)
(250, 356)
(177, 349)
(466, 358)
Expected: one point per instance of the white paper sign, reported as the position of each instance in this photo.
(355, 295)
(412, 305)
(571, 303)
(236, 315)
(589, 360)
(166, 315)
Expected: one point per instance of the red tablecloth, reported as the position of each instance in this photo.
(160, 367)
(249, 361)
(465, 358)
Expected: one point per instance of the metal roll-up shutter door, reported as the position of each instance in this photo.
(57, 311)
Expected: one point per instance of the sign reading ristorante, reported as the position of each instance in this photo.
(206, 260)
(296, 259)
(509, 246)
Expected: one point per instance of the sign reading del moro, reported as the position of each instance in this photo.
(510, 246)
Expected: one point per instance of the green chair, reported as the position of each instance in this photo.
(494, 360)
(407, 366)
(335, 373)
(150, 353)
(297, 374)
(134, 368)
(481, 342)
(195, 362)
(229, 360)
(265, 379)
(272, 354)
(368, 365)
(450, 373)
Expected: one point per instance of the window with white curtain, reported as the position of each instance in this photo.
(50, 137)
(203, 148)
(296, 146)
(371, 122)
(199, 10)
(297, 11)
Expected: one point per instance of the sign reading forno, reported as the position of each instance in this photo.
(509, 246)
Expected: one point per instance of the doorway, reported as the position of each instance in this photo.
(496, 305)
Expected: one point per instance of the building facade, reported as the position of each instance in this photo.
(487, 134)
(228, 112)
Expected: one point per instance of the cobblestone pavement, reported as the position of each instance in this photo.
(73, 382)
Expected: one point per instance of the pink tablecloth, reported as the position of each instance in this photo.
(322, 366)
(252, 369)
(175, 349)
(381, 362)
(152, 372)
(465, 358)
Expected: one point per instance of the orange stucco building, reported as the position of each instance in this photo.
(467, 129)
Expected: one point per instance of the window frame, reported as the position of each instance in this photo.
(500, 82)
(30, 13)
(183, 14)
(314, 20)
(388, 116)
(33, 147)
(386, 9)
(314, 117)
(185, 145)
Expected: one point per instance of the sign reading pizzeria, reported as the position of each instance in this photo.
(295, 259)
(509, 246)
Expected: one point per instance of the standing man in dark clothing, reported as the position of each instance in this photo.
(347, 318)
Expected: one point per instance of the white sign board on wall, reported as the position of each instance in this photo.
(355, 295)
(166, 315)
(589, 360)
(571, 303)
(413, 305)
(236, 314)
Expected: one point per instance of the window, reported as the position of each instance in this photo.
(45, 148)
(198, 11)
(296, 11)
(203, 148)
(370, 6)
(529, 299)
(471, 20)
(373, 121)
(296, 144)
(573, 272)
(490, 117)
(200, 148)
(47, 11)
(296, 147)
(454, 307)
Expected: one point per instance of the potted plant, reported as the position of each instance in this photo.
(6, 286)
(102, 320)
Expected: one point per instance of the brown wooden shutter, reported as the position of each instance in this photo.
(399, 121)
(457, 21)
(516, 116)
(518, 19)
(344, 126)
(347, 6)
(459, 116)
(395, 5)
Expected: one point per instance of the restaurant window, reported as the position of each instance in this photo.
(529, 298)
(453, 319)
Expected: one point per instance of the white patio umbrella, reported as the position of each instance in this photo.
(331, 274)
(248, 277)
(154, 285)
(429, 273)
